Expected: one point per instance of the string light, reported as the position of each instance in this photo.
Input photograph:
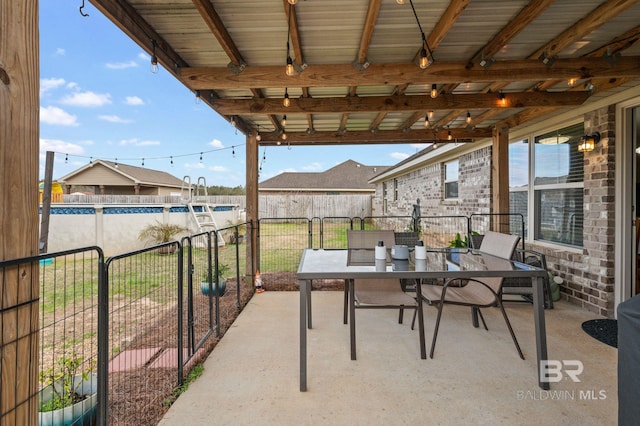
(284, 120)
(233, 121)
(292, 2)
(431, 113)
(143, 160)
(289, 70)
(503, 99)
(426, 120)
(116, 165)
(468, 117)
(286, 102)
(154, 58)
(201, 157)
(66, 158)
(171, 161)
(197, 97)
(233, 151)
(284, 136)
(434, 91)
(449, 136)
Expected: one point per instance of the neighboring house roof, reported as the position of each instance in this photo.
(126, 175)
(347, 176)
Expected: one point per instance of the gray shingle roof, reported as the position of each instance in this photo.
(349, 175)
(139, 175)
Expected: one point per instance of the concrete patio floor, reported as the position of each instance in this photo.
(475, 377)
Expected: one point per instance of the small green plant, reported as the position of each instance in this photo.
(161, 232)
(222, 269)
(61, 379)
(193, 374)
(459, 242)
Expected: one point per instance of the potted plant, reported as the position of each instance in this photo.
(208, 283)
(69, 396)
(160, 233)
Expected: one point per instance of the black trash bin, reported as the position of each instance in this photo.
(629, 361)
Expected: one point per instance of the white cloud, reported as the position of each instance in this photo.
(313, 167)
(72, 85)
(216, 144)
(194, 165)
(220, 169)
(47, 84)
(59, 52)
(137, 142)
(57, 116)
(398, 155)
(144, 56)
(60, 146)
(114, 119)
(87, 99)
(133, 100)
(121, 65)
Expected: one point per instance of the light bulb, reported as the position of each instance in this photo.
(426, 121)
(286, 102)
(154, 64)
(284, 136)
(258, 137)
(434, 91)
(284, 120)
(424, 60)
(400, 1)
(468, 117)
(290, 70)
(293, 1)
(449, 136)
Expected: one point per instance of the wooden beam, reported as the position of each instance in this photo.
(251, 170)
(446, 22)
(339, 75)
(399, 103)
(596, 18)
(361, 137)
(367, 30)
(19, 161)
(215, 24)
(530, 12)
(500, 174)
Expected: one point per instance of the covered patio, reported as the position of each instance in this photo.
(475, 377)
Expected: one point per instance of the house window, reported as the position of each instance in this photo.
(451, 172)
(395, 190)
(519, 185)
(559, 186)
(384, 197)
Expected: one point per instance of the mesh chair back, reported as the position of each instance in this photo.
(498, 244)
(367, 239)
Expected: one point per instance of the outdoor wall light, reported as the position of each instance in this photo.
(588, 142)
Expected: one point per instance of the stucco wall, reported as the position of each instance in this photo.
(115, 228)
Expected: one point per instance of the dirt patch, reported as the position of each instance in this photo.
(143, 396)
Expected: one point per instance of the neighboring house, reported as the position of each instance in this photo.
(349, 177)
(109, 178)
(578, 206)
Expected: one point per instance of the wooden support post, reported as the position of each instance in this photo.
(19, 136)
(500, 178)
(252, 205)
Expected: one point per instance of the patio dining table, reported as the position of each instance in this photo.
(441, 264)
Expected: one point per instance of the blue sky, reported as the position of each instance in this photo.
(99, 99)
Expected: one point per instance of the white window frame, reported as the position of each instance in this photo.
(449, 181)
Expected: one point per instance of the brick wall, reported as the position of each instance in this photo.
(588, 275)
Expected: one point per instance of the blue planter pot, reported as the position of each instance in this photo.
(80, 413)
(222, 287)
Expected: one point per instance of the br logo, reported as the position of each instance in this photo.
(553, 370)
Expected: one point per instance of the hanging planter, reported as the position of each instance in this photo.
(208, 284)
